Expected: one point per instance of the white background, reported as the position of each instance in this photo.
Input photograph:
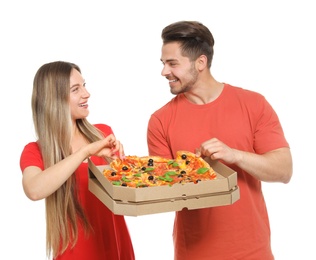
(265, 46)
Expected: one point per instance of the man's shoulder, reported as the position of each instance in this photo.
(167, 106)
(242, 92)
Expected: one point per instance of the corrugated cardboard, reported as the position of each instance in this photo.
(140, 201)
(119, 207)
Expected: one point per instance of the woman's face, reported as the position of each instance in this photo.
(78, 96)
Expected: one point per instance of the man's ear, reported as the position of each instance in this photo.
(201, 63)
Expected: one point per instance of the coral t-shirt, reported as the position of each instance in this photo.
(110, 238)
(244, 120)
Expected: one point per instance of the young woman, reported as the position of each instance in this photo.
(55, 167)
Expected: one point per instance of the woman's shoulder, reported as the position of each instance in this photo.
(104, 128)
(31, 146)
(31, 155)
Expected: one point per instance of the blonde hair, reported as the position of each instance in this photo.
(53, 127)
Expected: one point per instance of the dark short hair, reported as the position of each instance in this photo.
(195, 39)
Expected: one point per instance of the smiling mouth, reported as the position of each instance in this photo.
(174, 80)
(83, 105)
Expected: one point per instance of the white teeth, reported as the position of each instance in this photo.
(173, 80)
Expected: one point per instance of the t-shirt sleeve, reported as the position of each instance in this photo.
(31, 156)
(269, 133)
(157, 139)
(105, 129)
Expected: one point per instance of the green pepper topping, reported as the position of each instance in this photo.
(202, 170)
(166, 178)
(172, 173)
(126, 179)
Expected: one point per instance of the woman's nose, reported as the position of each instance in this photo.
(85, 93)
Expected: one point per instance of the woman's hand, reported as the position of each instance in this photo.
(109, 147)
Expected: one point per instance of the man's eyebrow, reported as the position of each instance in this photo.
(168, 60)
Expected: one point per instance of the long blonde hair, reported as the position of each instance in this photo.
(53, 127)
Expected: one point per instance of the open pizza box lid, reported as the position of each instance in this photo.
(225, 181)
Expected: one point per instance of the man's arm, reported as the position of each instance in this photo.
(273, 166)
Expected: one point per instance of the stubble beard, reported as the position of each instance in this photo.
(187, 86)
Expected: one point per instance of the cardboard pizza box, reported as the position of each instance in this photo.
(140, 201)
(226, 180)
(119, 207)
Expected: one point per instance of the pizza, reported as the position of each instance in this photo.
(148, 171)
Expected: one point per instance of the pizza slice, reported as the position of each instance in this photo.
(195, 166)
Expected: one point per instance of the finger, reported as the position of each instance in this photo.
(110, 139)
(118, 148)
(121, 152)
(198, 152)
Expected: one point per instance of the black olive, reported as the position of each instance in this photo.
(143, 168)
(124, 168)
(150, 163)
(124, 184)
(183, 156)
(113, 173)
(187, 162)
(150, 177)
(183, 172)
(180, 176)
(150, 160)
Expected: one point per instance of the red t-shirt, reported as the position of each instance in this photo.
(110, 239)
(243, 120)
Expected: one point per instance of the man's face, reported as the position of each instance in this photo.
(179, 70)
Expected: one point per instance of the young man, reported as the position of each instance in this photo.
(223, 122)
